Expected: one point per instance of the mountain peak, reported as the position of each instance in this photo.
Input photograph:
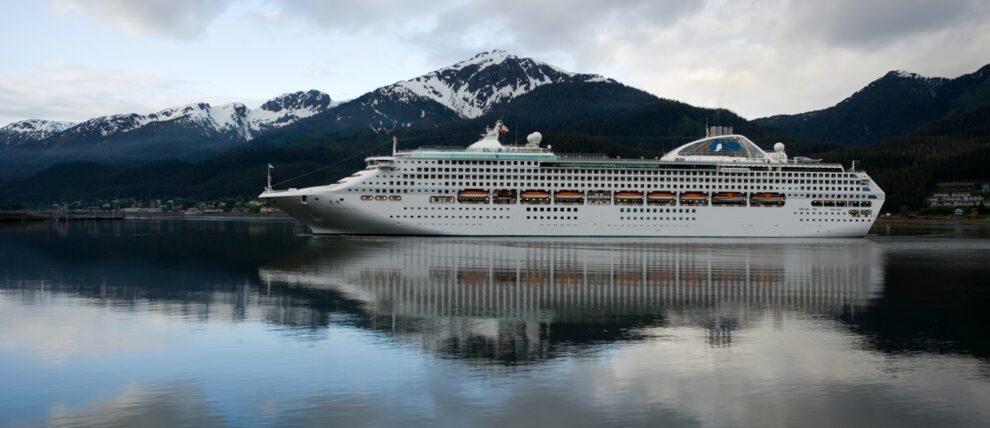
(486, 58)
(473, 86)
(311, 99)
(32, 130)
(902, 74)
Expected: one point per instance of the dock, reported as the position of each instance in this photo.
(60, 215)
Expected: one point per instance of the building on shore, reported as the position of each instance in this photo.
(958, 194)
(955, 199)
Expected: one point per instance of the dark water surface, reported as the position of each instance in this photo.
(245, 323)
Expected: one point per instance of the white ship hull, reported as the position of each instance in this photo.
(336, 212)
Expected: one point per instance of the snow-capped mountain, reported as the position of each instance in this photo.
(233, 121)
(288, 108)
(465, 90)
(461, 92)
(31, 130)
(472, 87)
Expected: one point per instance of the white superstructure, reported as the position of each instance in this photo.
(721, 185)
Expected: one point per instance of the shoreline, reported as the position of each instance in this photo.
(939, 221)
(37, 216)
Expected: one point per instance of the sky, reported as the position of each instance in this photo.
(77, 59)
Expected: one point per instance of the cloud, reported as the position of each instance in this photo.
(169, 404)
(57, 334)
(69, 91)
(757, 58)
(556, 25)
(873, 24)
(178, 19)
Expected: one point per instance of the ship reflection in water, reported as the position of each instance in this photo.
(515, 300)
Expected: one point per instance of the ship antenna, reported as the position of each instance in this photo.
(394, 142)
(269, 187)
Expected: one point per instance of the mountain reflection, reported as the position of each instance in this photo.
(525, 300)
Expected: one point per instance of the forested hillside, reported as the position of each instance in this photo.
(892, 106)
(956, 148)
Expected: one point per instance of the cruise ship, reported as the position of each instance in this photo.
(722, 185)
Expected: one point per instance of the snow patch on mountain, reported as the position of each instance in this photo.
(472, 87)
(234, 119)
(32, 130)
(288, 108)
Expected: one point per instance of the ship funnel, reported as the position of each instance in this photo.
(717, 131)
(533, 140)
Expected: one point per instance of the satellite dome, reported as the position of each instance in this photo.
(779, 147)
(534, 139)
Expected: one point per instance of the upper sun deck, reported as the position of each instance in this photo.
(499, 153)
(725, 148)
(717, 150)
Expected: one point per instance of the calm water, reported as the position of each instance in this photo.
(254, 323)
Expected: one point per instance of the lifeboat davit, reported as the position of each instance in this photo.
(504, 196)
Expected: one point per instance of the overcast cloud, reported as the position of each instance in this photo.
(757, 58)
(180, 19)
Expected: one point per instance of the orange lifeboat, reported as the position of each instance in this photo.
(768, 196)
(473, 196)
(534, 197)
(535, 194)
(767, 199)
(728, 198)
(568, 194)
(628, 197)
(654, 196)
(661, 198)
(694, 198)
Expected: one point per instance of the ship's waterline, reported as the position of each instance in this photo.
(718, 186)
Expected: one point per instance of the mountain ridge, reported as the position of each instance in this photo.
(473, 86)
(233, 120)
(889, 107)
(29, 130)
